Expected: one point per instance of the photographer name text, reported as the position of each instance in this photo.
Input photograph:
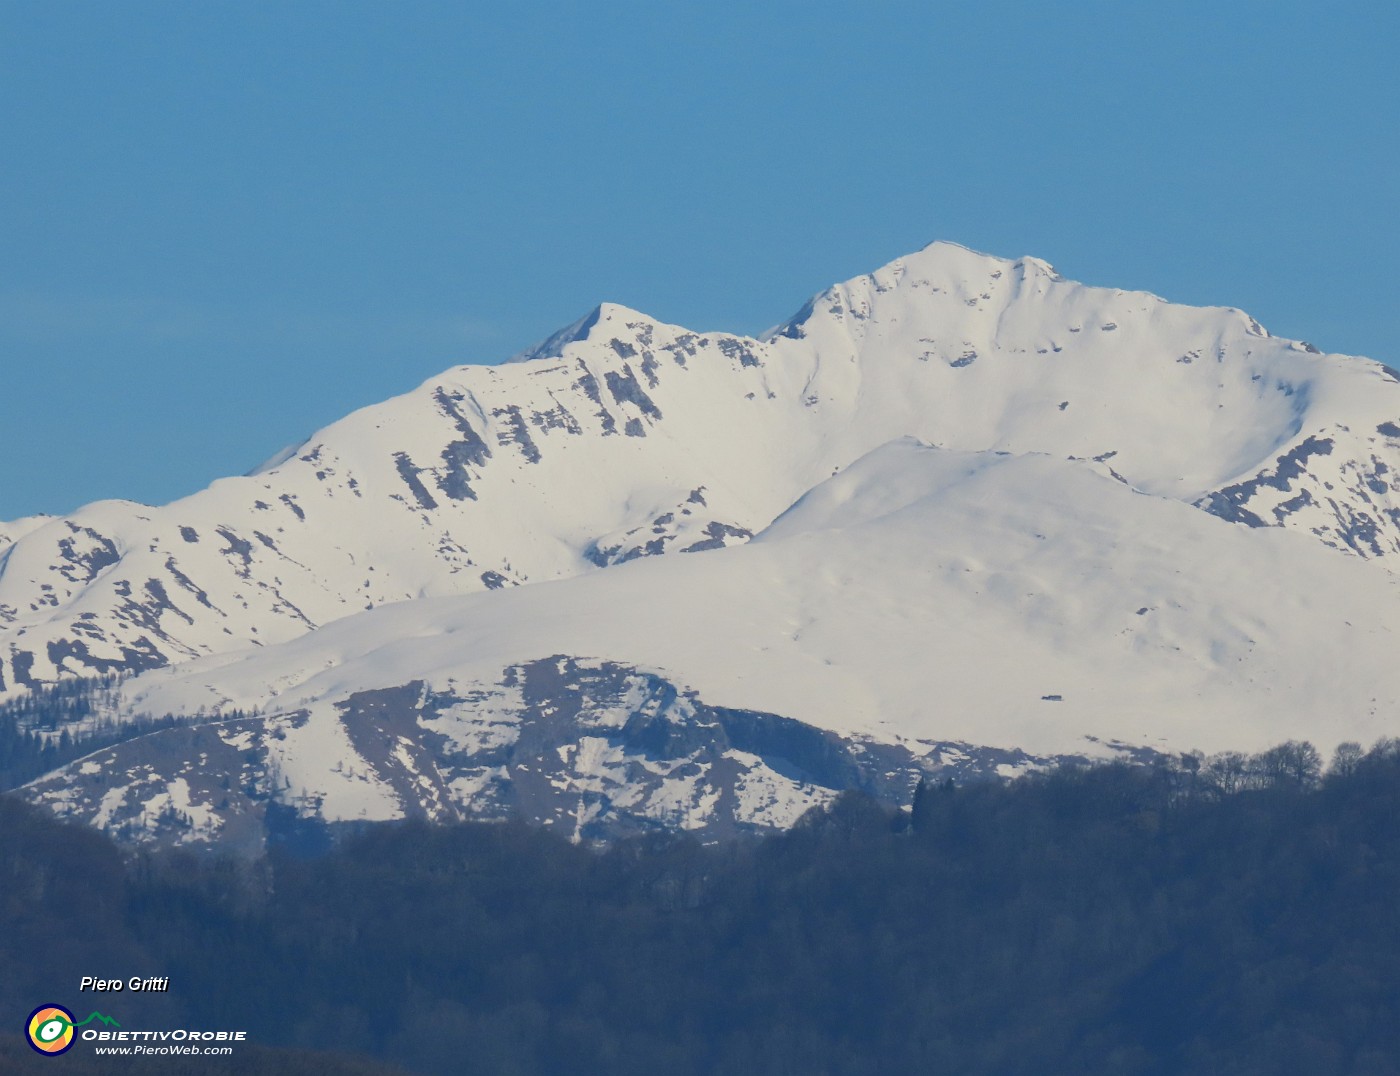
(156, 984)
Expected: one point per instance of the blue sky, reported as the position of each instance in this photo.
(223, 225)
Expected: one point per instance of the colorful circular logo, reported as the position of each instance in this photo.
(51, 1029)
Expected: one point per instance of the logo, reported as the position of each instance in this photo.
(51, 1028)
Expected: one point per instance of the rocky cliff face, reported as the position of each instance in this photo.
(594, 749)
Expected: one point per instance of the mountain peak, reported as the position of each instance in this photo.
(957, 489)
(640, 438)
(952, 262)
(552, 347)
(939, 267)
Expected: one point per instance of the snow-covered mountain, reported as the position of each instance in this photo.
(998, 513)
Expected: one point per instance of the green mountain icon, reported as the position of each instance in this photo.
(105, 1020)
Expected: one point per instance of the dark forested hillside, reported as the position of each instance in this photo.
(1228, 916)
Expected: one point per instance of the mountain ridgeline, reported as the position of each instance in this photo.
(958, 517)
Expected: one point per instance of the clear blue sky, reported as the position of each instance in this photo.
(223, 225)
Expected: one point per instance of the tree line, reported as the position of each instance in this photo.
(54, 724)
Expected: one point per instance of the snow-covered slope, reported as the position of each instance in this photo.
(925, 594)
(925, 611)
(622, 437)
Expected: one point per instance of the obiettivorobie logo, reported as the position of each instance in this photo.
(51, 1029)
